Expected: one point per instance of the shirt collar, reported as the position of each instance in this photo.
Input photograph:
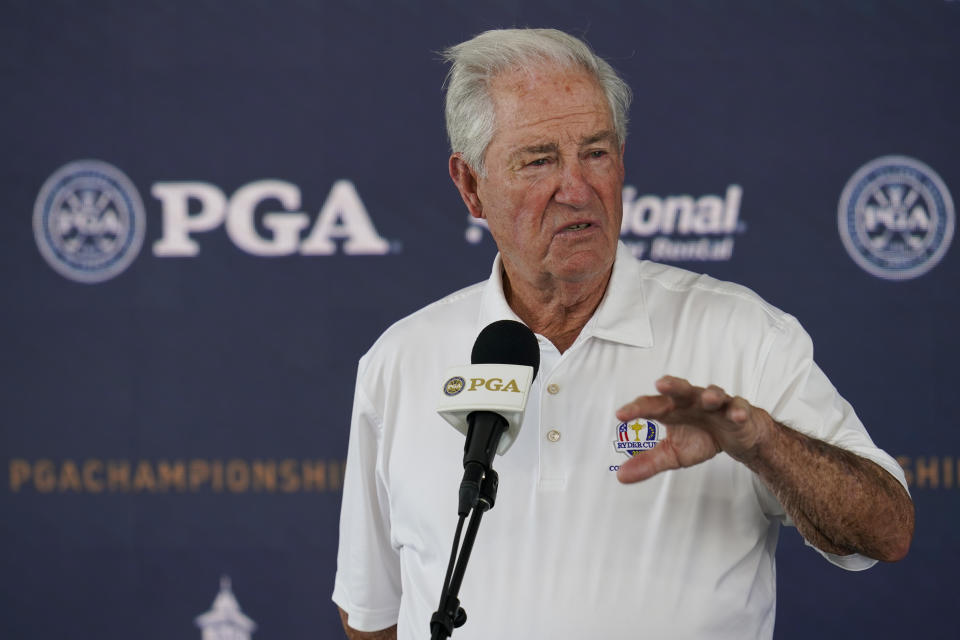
(493, 304)
(621, 317)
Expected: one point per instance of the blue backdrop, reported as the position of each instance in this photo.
(213, 208)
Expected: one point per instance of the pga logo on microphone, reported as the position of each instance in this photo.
(456, 384)
(497, 388)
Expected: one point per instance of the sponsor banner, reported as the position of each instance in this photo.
(931, 471)
(209, 226)
(678, 228)
(194, 475)
(682, 228)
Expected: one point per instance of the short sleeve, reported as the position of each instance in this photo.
(796, 392)
(367, 583)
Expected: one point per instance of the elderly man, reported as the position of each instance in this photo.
(682, 546)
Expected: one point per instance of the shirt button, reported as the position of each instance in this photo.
(553, 388)
(553, 435)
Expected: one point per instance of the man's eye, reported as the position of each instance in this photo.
(539, 162)
(598, 153)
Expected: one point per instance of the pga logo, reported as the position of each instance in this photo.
(89, 220)
(456, 384)
(896, 218)
(342, 216)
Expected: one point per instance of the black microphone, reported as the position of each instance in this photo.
(485, 401)
(501, 342)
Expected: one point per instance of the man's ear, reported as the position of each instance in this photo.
(466, 180)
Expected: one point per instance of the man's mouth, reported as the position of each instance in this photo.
(578, 227)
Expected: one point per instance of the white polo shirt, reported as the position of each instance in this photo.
(569, 552)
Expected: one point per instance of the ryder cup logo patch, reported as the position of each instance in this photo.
(89, 221)
(896, 218)
(638, 435)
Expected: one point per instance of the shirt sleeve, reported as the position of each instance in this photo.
(367, 583)
(796, 392)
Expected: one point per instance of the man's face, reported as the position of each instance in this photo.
(552, 194)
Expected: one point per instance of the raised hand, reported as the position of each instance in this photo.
(700, 423)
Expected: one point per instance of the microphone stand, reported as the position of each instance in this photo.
(450, 614)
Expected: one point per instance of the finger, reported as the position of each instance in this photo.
(738, 410)
(713, 398)
(672, 385)
(646, 465)
(683, 393)
(645, 407)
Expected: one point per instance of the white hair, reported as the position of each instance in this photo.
(476, 62)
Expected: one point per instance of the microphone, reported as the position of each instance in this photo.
(486, 400)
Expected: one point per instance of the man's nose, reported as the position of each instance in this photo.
(573, 189)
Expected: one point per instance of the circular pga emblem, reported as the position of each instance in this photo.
(89, 221)
(896, 218)
(453, 386)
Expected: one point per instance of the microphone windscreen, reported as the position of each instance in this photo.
(507, 342)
